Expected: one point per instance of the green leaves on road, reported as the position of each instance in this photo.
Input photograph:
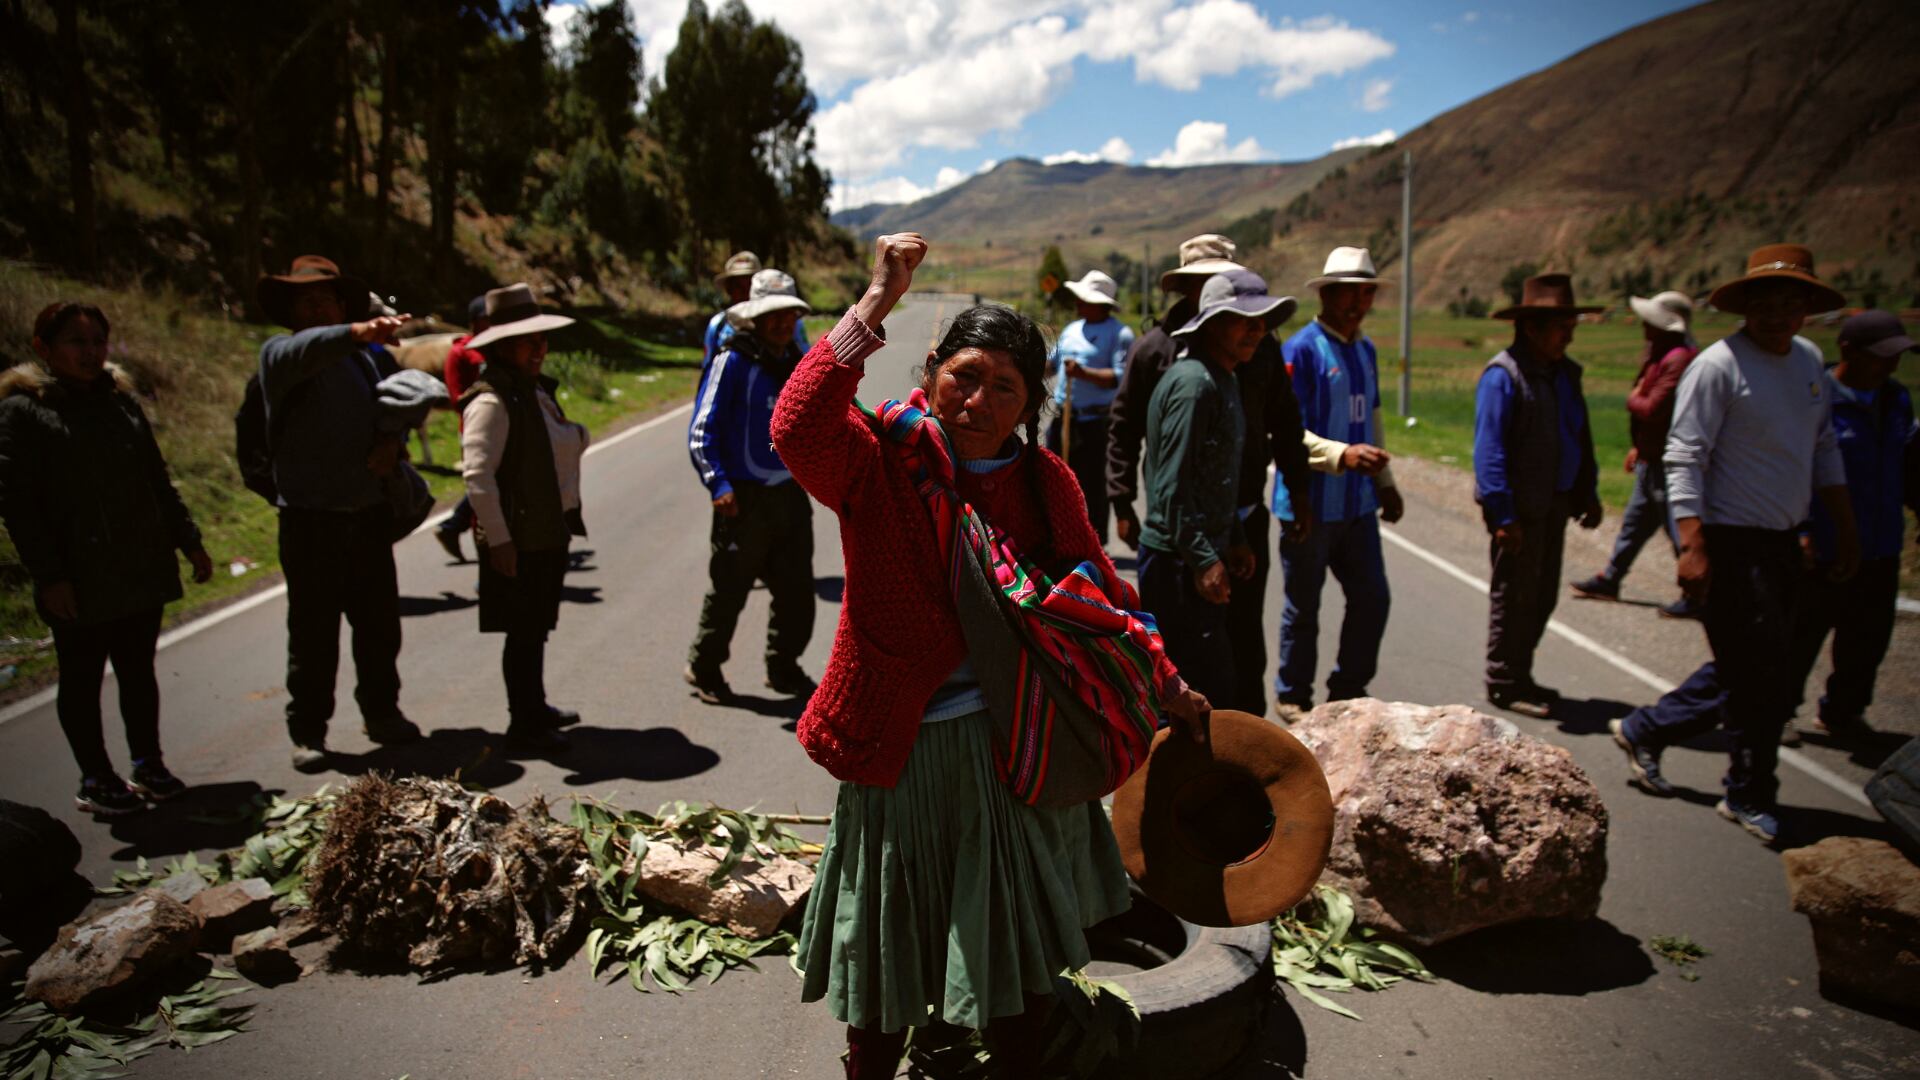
(288, 833)
(1316, 947)
(55, 1047)
(1682, 952)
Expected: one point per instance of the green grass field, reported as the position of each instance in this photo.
(611, 367)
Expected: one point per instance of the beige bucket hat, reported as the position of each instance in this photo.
(1201, 256)
(772, 290)
(740, 264)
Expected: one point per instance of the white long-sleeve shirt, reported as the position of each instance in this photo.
(1752, 436)
(484, 439)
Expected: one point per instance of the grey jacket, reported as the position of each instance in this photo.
(322, 410)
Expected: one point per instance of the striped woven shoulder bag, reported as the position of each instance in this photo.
(1069, 676)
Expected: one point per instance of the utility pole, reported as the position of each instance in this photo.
(1406, 283)
(1146, 279)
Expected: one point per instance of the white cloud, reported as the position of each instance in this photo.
(1178, 45)
(1115, 150)
(1378, 138)
(1204, 142)
(899, 189)
(1374, 97)
(1470, 17)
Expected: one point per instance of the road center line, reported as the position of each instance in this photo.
(1659, 685)
(265, 596)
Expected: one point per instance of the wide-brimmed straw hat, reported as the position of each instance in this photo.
(1545, 294)
(1201, 256)
(1793, 262)
(1095, 288)
(772, 290)
(511, 312)
(274, 292)
(740, 264)
(1229, 833)
(1347, 264)
(1669, 311)
(1239, 291)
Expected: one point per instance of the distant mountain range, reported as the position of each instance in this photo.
(1653, 159)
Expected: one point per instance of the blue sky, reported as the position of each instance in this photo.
(918, 94)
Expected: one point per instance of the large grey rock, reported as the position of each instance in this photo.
(182, 885)
(1448, 820)
(94, 959)
(752, 901)
(231, 909)
(264, 957)
(1863, 898)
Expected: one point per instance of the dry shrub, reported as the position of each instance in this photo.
(427, 871)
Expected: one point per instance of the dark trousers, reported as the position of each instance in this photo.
(770, 540)
(1646, 514)
(523, 666)
(1087, 457)
(1753, 683)
(83, 652)
(1525, 587)
(1246, 621)
(1195, 631)
(1860, 613)
(1351, 550)
(339, 563)
(461, 519)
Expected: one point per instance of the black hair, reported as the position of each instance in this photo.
(55, 316)
(999, 328)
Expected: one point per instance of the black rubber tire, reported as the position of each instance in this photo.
(1201, 1012)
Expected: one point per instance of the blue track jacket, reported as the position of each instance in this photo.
(1874, 434)
(730, 437)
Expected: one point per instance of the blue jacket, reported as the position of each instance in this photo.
(1874, 438)
(720, 333)
(730, 437)
(1338, 384)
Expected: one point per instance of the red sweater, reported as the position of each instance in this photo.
(899, 636)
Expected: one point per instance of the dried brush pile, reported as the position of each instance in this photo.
(429, 872)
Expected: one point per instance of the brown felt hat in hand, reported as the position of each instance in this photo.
(1230, 833)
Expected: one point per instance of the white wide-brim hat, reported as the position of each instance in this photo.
(513, 312)
(1095, 288)
(741, 264)
(1669, 311)
(1201, 257)
(772, 290)
(1347, 264)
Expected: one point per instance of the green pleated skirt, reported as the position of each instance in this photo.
(945, 893)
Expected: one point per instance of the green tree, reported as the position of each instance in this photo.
(733, 113)
(603, 83)
(1515, 279)
(1050, 276)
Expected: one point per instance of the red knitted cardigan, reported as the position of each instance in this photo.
(899, 636)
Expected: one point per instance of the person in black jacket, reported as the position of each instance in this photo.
(86, 498)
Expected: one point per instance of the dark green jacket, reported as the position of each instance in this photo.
(1196, 433)
(529, 489)
(85, 493)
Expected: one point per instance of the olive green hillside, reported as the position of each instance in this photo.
(1658, 158)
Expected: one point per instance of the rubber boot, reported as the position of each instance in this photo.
(873, 1055)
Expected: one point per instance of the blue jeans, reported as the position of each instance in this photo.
(1645, 515)
(1351, 550)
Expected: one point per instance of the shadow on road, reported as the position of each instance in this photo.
(788, 708)
(216, 816)
(1545, 956)
(581, 594)
(1279, 1047)
(411, 606)
(597, 754)
(580, 562)
(471, 755)
(1588, 716)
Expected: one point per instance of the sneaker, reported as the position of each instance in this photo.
(709, 686)
(1534, 701)
(1680, 609)
(450, 540)
(1789, 735)
(1290, 713)
(788, 679)
(1597, 587)
(533, 741)
(310, 757)
(1761, 823)
(394, 730)
(1644, 764)
(108, 797)
(151, 778)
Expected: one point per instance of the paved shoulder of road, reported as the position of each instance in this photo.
(1573, 1001)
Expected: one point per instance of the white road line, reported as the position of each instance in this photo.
(1791, 757)
(266, 596)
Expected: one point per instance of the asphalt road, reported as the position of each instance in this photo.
(1564, 1001)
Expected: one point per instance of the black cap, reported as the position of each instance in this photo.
(1878, 332)
(477, 307)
